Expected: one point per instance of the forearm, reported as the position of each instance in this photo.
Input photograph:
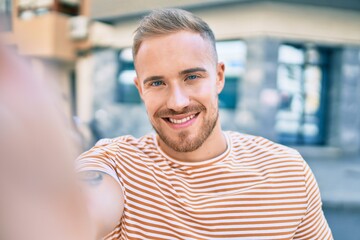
(104, 201)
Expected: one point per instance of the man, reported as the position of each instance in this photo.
(191, 180)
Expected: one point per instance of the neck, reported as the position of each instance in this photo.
(213, 146)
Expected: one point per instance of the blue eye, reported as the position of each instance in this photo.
(156, 83)
(192, 77)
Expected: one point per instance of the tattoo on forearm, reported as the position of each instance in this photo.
(93, 178)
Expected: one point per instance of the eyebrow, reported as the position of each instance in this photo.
(186, 71)
(191, 70)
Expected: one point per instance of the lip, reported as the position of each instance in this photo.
(181, 125)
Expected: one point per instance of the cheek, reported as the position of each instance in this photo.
(200, 90)
(150, 109)
(206, 93)
(152, 104)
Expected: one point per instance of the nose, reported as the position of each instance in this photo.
(178, 99)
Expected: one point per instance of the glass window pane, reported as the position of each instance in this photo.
(291, 55)
(126, 91)
(300, 81)
(5, 15)
(233, 55)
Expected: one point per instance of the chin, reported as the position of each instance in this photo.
(183, 141)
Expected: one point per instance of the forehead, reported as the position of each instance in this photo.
(173, 52)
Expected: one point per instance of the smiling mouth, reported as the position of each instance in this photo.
(181, 120)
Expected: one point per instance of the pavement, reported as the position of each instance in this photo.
(338, 179)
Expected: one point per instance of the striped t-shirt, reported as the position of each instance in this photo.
(256, 189)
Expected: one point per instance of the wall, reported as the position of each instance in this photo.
(287, 21)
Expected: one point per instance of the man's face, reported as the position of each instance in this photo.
(179, 81)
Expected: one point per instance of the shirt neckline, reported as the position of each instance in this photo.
(199, 163)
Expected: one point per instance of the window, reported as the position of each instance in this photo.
(28, 9)
(233, 54)
(301, 82)
(5, 15)
(126, 89)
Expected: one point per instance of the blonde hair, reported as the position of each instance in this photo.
(166, 21)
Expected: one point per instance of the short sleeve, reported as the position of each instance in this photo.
(99, 158)
(314, 224)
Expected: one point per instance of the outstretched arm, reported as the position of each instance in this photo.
(40, 196)
(104, 201)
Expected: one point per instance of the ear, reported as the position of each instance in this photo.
(138, 86)
(220, 81)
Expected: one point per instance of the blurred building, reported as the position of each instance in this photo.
(292, 66)
(292, 70)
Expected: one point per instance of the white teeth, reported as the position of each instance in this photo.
(178, 121)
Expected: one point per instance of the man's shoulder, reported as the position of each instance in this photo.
(241, 140)
(266, 154)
